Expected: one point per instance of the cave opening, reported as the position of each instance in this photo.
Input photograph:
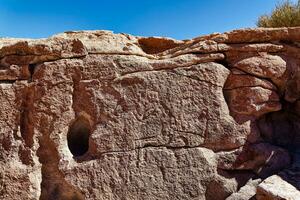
(78, 137)
(282, 128)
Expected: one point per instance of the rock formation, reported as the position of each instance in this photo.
(96, 115)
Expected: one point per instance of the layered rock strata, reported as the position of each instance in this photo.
(96, 115)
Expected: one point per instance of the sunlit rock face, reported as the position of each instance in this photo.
(96, 115)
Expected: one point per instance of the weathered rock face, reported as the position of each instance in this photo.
(97, 115)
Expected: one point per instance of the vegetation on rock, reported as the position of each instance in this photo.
(286, 14)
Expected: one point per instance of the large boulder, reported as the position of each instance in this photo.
(275, 188)
(97, 115)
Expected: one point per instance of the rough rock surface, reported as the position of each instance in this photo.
(268, 189)
(96, 115)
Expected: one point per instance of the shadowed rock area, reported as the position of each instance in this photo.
(97, 115)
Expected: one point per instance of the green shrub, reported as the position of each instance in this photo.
(286, 14)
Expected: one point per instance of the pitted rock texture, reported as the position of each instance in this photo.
(96, 115)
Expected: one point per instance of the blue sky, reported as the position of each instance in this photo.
(180, 19)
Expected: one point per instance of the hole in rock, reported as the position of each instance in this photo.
(31, 68)
(153, 45)
(78, 137)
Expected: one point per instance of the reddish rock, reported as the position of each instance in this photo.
(239, 79)
(252, 101)
(98, 115)
(263, 159)
(264, 66)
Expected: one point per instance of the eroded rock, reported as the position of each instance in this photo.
(252, 101)
(276, 188)
(247, 192)
(98, 115)
(262, 158)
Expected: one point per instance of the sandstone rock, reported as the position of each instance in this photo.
(20, 171)
(264, 66)
(15, 72)
(246, 192)
(263, 159)
(97, 115)
(220, 188)
(252, 101)
(143, 100)
(247, 91)
(206, 46)
(276, 188)
(153, 45)
(24, 52)
(151, 172)
(259, 35)
(239, 79)
(260, 47)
